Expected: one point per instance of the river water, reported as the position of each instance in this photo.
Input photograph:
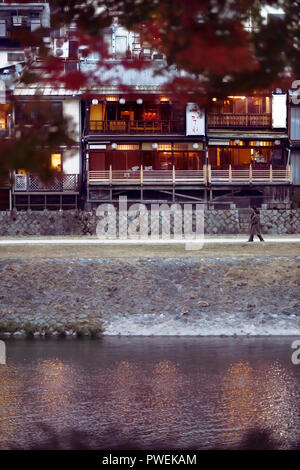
(149, 392)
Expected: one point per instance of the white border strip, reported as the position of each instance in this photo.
(205, 241)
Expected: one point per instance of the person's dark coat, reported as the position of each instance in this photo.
(255, 227)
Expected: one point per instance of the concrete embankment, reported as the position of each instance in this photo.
(150, 296)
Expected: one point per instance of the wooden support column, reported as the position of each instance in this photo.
(209, 173)
(87, 170)
(290, 175)
(110, 175)
(142, 176)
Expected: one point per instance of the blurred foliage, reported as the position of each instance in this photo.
(34, 137)
(205, 38)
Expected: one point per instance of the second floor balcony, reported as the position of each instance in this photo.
(144, 115)
(241, 112)
(137, 127)
(239, 120)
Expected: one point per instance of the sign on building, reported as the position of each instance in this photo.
(195, 120)
(279, 110)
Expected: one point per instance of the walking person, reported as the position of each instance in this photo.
(255, 227)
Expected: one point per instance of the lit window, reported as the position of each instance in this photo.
(56, 161)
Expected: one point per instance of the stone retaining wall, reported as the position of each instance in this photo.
(77, 223)
(153, 296)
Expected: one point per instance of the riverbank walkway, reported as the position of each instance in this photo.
(92, 240)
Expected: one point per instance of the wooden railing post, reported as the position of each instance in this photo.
(290, 175)
(250, 173)
(173, 175)
(142, 176)
(205, 174)
(230, 173)
(209, 173)
(110, 175)
(271, 174)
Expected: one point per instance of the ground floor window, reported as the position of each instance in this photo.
(242, 155)
(151, 160)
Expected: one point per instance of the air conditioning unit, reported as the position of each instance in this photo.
(17, 20)
(61, 48)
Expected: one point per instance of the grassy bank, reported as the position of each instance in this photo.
(239, 250)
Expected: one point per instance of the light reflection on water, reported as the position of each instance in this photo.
(204, 392)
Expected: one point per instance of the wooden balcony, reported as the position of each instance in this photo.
(32, 184)
(207, 176)
(143, 177)
(249, 175)
(136, 127)
(240, 120)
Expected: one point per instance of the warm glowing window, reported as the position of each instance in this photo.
(2, 121)
(128, 147)
(167, 147)
(127, 115)
(151, 114)
(56, 161)
(180, 146)
(261, 143)
(4, 109)
(112, 98)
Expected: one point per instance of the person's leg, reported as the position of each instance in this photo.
(250, 238)
(260, 237)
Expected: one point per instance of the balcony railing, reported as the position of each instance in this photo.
(249, 175)
(206, 176)
(239, 120)
(136, 127)
(61, 183)
(144, 177)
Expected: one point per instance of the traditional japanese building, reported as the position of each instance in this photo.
(63, 191)
(294, 135)
(144, 144)
(248, 149)
(133, 138)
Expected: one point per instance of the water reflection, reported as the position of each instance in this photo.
(52, 388)
(10, 403)
(261, 398)
(157, 391)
